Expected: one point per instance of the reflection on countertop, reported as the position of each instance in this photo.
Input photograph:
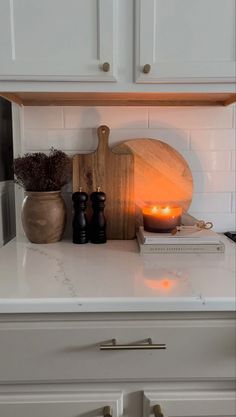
(63, 277)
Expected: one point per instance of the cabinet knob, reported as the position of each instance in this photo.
(106, 66)
(146, 68)
(107, 411)
(157, 411)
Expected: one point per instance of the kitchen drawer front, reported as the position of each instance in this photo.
(185, 404)
(89, 404)
(70, 350)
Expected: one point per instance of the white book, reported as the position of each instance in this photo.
(187, 235)
(179, 248)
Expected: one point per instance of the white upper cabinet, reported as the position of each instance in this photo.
(176, 41)
(190, 41)
(57, 40)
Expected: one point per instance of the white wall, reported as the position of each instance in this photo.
(205, 136)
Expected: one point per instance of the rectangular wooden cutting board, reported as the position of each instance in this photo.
(114, 173)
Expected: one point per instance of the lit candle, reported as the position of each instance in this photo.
(161, 219)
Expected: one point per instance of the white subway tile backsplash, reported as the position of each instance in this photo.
(208, 160)
(214, 181)
(178, 138)
(222, 139)
(204, 136)
(222, 222)
(191, 117)
(114, 117)
(65, 139)
(43, 117)
(86, 139)
(211, 202)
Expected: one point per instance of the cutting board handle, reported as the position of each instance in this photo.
(103, 136)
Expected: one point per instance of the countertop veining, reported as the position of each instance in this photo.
(113, 277)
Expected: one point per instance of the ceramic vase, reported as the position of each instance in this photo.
(43, 216)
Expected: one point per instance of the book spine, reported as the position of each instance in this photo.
(181, 241)
(220, 248)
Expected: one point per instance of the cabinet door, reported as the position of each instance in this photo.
(57, 40)
(185, 404)
(185, 40)
(84, 404)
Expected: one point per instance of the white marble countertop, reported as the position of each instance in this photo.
(114, 277)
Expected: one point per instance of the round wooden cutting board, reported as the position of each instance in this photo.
(161, 174)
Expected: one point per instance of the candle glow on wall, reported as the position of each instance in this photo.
(161, 175)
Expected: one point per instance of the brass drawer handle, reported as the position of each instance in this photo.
(107, 411)
(146, 344)
(146, 68)
(106, 67)
(157, 411)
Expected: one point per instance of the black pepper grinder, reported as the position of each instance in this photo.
(80, 223)
(98, 221)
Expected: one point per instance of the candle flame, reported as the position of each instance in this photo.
(154, 209)
(160, 211)
(166, 210)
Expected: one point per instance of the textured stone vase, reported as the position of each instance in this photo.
(43, 216)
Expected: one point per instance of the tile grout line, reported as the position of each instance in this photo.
(234, 115)
(63, 118)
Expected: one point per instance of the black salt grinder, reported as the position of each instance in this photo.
(80, 223)
(98, 221)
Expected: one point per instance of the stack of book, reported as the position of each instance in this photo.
(189, 239)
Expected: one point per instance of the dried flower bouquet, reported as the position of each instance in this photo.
(40, 172)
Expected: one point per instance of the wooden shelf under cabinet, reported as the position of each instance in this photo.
(119, 99)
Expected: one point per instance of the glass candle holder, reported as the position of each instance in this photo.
(161, 219)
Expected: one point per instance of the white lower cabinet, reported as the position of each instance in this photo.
(64, 350)
(184, 404)
(149, 365)
(83, 404)
(123, 400)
